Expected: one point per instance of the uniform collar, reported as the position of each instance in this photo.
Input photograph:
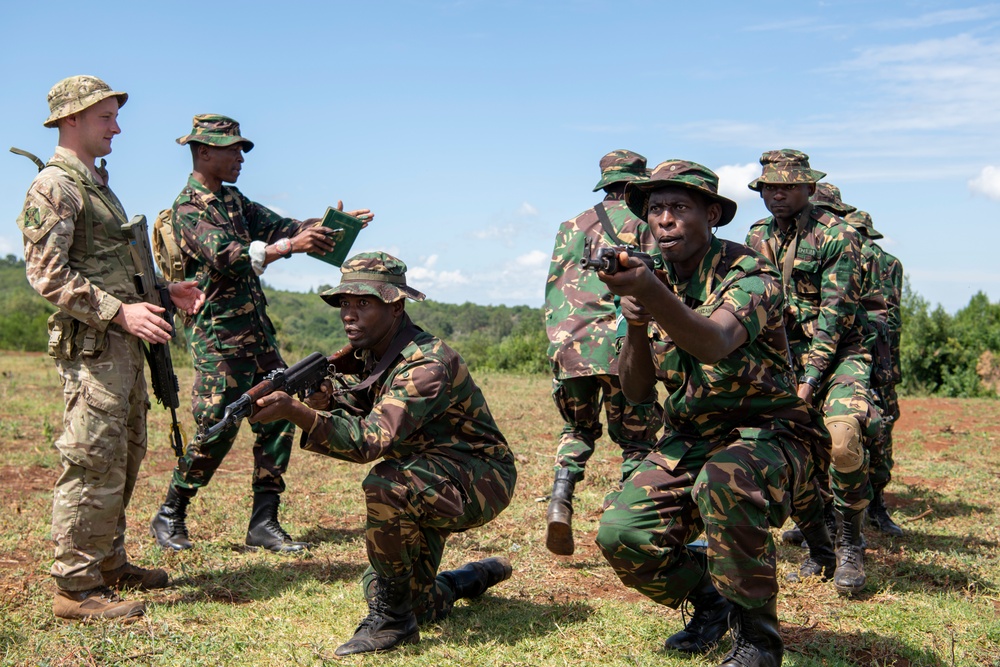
(203, 193)
(700, 285)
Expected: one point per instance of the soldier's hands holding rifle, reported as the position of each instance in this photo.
(279, 405)
(186, 296)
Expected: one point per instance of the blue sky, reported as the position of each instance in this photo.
(472, 129)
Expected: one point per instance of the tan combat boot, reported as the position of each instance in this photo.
(100, 602)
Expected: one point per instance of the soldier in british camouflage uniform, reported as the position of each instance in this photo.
(445, 467)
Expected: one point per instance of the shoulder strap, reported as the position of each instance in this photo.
(30, 156)
(88, 207)
(606, 225)
(793, 248)
(403, 337)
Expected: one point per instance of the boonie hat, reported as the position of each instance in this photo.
(828, 197)
(216, 130)
(76, 93)
(377, 274)
(786, 166)
(862, 222)
(621, 165)
(678, 173)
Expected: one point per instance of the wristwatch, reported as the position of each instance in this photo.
(809, 380)
(283, 246)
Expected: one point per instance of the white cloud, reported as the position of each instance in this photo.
(533, 259)
(733, 179)
(527, 210)
(495, 232)
(938, 19)
(987, 183)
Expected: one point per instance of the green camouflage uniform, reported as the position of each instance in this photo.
(580, 322)
(445, 465)
(86, 272)
(737, 453)
(824, 322)
(232, 341)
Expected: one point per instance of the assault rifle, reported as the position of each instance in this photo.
(161, 366)
(301, 378)
(607, 260)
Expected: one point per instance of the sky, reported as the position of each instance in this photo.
(473, 129)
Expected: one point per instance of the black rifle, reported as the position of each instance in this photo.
(161, 366)
(300, 378)
(607, 260)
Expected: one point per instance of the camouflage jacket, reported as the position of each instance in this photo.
(87, 274)
(893, 282)
(579, 309)
(427, 404)
(821, 303)
(753, 387)
(214, 232)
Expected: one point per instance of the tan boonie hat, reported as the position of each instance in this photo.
(215, 130)
(375, 274)
(786, 167)
(621, 165)
(76, 93)
(828, 197)
(683, 174)
(862, 222)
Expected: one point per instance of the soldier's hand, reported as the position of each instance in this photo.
(805, 392)
(317, 239)
(629, 278)
(634, 312)
(363, 214)
(143, 320)
(280, 405)
(187, 296)
(321, 398)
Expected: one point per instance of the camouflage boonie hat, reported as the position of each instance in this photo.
(786, 167)
(216, 130)
(76, 93)
(678, 173)
(621, 165)
(828, 197)
(862, 222)
(375, 274)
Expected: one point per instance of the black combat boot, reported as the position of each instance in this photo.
(559, 534)
(795, 535)
(878, 515)
(709, 621)
(264, 530)
(756, 640)
(849, 577)
(821, 561)
(472, 579)
(169, 526)
(390, 621)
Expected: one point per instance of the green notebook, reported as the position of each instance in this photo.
(347, 228)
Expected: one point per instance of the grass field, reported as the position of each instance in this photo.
(933, 597)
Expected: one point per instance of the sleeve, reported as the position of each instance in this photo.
(266, 225)
(415, 395)
(48, 222)
(755, 299)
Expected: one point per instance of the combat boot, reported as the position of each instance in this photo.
(709, 621)
(390, 621)
(559, 533)
(821, 561)
(169, 526)
(135, 577)
(756, 639)
(849, 578)
(878, 515)
(100, 602)
(265, 531)
(472, 579)
(794, 537)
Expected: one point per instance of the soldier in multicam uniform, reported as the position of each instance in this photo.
(445, 465)
(227, 241)
(580, 321)
(820, 259)
(78, 259)
(738, 449)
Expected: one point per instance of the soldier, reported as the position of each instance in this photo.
(77, 257)
(580, 321)
(227, 241)
(820, 260)
(736, 455)
(445, 465)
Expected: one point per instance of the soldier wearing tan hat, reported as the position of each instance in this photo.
(77, 258)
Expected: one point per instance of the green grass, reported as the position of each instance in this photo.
(932, 597)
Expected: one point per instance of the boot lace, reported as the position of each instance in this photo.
(744, 652)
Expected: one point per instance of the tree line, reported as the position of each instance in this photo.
(941, 354)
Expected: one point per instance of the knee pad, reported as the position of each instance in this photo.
(847, 454)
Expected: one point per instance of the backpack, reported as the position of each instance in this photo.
(167, 253)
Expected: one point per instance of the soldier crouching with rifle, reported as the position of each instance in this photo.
(445, 465)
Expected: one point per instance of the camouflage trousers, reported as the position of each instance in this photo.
(415, 503)
(216, 384)
(631, 427)
(733, 491)
(101, 448)
(881, 462)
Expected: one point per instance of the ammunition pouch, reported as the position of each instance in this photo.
(69, 338)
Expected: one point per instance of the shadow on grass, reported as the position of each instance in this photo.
(813, 646)
(490, 619)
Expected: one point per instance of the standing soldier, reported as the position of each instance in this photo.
(819, 257)
(580, 321)
(227, 241)
(77, 257)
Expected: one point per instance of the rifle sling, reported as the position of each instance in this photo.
(606, 225)
(403, 337)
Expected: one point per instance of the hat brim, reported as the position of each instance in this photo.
(215, 140)
(85, 102)
(798, 179)
(637, 199)
(616, 177)
(385, 292)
